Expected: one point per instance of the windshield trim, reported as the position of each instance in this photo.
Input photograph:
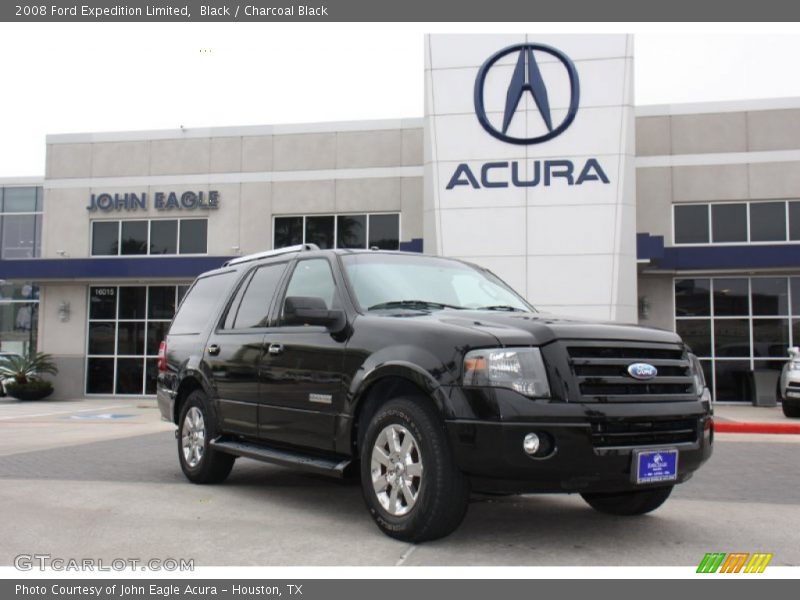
(482, 270)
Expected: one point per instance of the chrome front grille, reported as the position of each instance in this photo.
(601, 371)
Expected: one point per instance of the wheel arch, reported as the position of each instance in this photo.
(391, 380)
(189, 383)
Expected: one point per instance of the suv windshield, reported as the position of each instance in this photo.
(391, 281)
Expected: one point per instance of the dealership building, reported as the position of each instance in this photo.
(531, 159)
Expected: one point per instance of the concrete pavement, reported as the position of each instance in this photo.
(100, 478)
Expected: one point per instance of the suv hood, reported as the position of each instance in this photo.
(525, 329)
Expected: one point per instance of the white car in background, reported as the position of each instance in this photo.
(790, 384)
(3, 379)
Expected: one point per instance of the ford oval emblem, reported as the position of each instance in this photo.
(642, 371)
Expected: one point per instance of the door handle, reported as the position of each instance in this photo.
(213, 350)
(275, 349)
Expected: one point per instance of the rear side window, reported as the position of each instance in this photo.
(254, 307)
(199, 304)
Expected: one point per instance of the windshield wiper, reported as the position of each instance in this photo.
(412, 304)
(502, 307)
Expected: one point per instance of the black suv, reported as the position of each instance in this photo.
(428, 377)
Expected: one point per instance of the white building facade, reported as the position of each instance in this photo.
(531, 159)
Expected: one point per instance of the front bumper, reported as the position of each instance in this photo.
(490, 449)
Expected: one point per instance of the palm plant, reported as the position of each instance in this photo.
(24, 369)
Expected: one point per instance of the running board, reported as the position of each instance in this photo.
(332, 467)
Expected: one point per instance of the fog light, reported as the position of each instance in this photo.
(531, 444)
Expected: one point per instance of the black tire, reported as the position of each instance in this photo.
(791, 409)
(632, 503)
(212, 466)
(442, 490)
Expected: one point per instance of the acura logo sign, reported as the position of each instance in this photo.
(527, 78)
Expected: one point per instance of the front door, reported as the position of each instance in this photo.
(301, 368)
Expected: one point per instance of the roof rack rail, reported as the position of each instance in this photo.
(268, 253)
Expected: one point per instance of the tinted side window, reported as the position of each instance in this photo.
(199, 304)
(313, 278)
(254, 308)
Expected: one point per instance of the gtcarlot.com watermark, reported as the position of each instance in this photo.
(42, 562)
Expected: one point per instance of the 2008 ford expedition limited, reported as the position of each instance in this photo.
(428, 377)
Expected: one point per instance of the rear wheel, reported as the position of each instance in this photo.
(636, 502)
(199, 462)
(411, 485)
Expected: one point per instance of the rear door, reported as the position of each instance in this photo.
(301, 369)
(234, 349)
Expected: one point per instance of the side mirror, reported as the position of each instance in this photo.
(309, 310)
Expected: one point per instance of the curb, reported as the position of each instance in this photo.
(745, 427)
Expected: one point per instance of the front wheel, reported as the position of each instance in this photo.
(637, 502)
(411, 485)
(790, 409)
(199, 462)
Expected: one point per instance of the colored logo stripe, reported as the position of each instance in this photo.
(711, 562)
(758, 563)
(734, 562)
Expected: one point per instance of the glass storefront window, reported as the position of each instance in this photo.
(20, 222)
(744, 331)
(157, 236)
(691, 223)
(384, 232)
(20, 236)
(697, 334)
(134, 237)
(728, 223)
(731, 297)
(193, 236)
(288, 231)
(19, 317)
(164, 237)
(105, 238)
(770, 296)
(351, 231)
(693, 297)
(733, 381)
(339, 231)
(794, 221)
(126, 326)
(767, 221)
(319, 231)
(770, 338)
(21, 200)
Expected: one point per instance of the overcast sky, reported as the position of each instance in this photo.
(107, 77)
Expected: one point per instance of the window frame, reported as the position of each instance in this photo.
(749, 241)
(149, 222)
(366, 214)
(116, 320)
(235, 299)
(789, 316)
(38, 224)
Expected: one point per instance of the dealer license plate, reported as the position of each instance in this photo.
(654, 466)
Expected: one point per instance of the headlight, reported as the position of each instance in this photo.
(518, 369)
(794, 365)
(698, 375)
